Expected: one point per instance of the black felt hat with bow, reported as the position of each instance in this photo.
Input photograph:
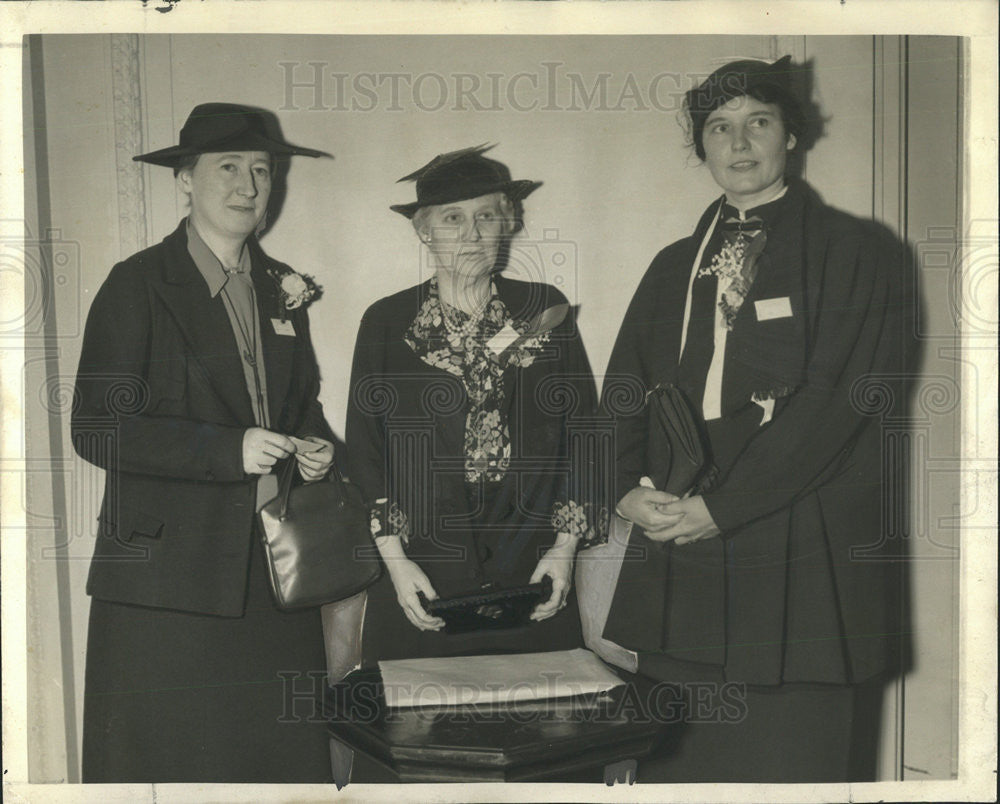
(215, 127)
(460, 175)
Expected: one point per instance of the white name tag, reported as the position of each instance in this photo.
(503, 339)
(283, 327)
(773, 308)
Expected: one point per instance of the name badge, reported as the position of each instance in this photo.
(503, 339)
(283, 327)
(773, 308)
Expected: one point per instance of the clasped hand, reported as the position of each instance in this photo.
(665, 517)
(264, 448)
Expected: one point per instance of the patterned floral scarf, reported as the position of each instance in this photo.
(450, 340)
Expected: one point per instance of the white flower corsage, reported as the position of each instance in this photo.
(728, 263)
(295, 289)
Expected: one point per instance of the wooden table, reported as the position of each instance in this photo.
(533, 741)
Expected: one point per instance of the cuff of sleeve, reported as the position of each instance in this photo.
(728, 510)
(388, 520)
(586, 523)
(223, 448)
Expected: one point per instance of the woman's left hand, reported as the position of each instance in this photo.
(696, 522)
(557, 563)
(314, 465)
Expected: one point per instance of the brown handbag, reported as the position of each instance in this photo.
(317, 541)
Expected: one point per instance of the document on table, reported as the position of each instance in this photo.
(495, 679)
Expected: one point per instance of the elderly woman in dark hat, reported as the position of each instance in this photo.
(464, 393)
(767, 319)
(196, 375)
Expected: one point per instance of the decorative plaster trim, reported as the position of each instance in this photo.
(127, 107)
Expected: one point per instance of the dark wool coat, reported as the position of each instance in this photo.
(162, 404)
(405, 442)
(795, 588)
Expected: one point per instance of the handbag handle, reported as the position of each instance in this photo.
(285, 486)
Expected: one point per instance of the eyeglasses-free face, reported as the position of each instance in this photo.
(229, 192)
(746, 148)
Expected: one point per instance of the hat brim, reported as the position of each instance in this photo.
(245, 141)
(514, 190)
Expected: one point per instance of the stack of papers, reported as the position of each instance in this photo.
(497, 679)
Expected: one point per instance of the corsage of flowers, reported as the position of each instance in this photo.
(295, 289)
(735, 264)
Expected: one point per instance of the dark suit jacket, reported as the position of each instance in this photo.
(162, 405)
(783, 595)
(405, 440)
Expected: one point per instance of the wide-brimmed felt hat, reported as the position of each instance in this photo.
(460, 175)
(215, 127)
(735, 79)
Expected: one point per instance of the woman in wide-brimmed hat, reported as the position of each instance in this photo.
(767, 576)
(463, 395)
(196, 374)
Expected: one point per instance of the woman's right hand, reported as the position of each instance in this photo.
(262, 449)
(643, 506)
(409, 580)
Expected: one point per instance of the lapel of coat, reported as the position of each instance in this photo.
(279, 350)
(205, 326)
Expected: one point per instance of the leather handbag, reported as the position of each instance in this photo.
(317, 541)
(677, 455)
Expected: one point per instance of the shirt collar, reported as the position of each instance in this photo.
(765, 211)
(208, 264)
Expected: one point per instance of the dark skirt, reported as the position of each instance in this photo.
(733, 732)
(177, 697)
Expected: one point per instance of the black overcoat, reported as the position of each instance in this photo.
(162, 404)
(798, 587)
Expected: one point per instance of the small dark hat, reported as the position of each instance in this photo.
(460, 175)
(735, 79)
(214, 127)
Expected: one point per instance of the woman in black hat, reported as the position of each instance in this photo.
(464, 393)
(196, 375)
(769, 318)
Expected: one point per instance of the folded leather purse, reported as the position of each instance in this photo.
(677, 456)
(317, 541)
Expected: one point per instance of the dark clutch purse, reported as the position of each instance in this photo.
(317, 541)
(488, 609)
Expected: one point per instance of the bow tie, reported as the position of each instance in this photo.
(738, 225)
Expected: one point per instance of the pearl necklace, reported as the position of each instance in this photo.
(450, 314)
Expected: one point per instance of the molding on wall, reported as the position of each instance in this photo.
(889, 145)
(789, 45)
(127, 107)
(889, 98)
